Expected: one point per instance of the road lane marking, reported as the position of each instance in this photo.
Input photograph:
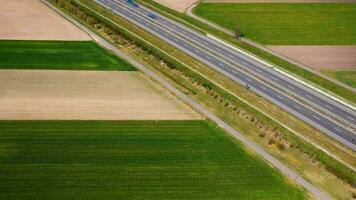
(310, 96)
(291, 87)
(279, 97)
(350, 118)
(296, 106)
(336, 129)
(316, 117)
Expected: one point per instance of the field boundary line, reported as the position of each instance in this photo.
(247, 142)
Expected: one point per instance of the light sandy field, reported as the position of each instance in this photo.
(46, 94)
(333, 58)
(31, 20)
(178, 5)
(278, 1)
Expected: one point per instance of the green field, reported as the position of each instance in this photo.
(287, 24)
(131, 160)
(61, 55)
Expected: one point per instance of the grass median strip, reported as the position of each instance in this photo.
(133, 160)
(59, 55)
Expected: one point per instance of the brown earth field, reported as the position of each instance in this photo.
(86, 95)
(333, 58)
(178, 5)
(279, 1)
(32, 20)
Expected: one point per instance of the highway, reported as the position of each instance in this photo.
(260, 78)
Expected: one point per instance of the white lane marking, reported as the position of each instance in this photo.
(280, 97)
(249, 80)
(291, 87)
(329, 107)
(316, 117)
(310, 96)
(258, 70)
(336, 129)
(350, 118)
(263, 88)
(235, 72)
(296, 106)
(221, 64)
(274, 78)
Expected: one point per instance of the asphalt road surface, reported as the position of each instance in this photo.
(257, 76)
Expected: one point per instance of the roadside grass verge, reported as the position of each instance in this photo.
(308, 76)
(348, 77)
(286, 23)
(193, 79)
(59, 55)
(132, 160)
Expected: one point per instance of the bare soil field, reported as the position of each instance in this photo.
(32, 20)
(178, 5)
(279, 1)
(86, 95)
(321, 57)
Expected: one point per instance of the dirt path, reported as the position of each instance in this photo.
(36, 94)
(32, 20)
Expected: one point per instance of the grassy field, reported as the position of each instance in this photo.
(131, 160)
(282, 24)
(348, 77)
(73, 55)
